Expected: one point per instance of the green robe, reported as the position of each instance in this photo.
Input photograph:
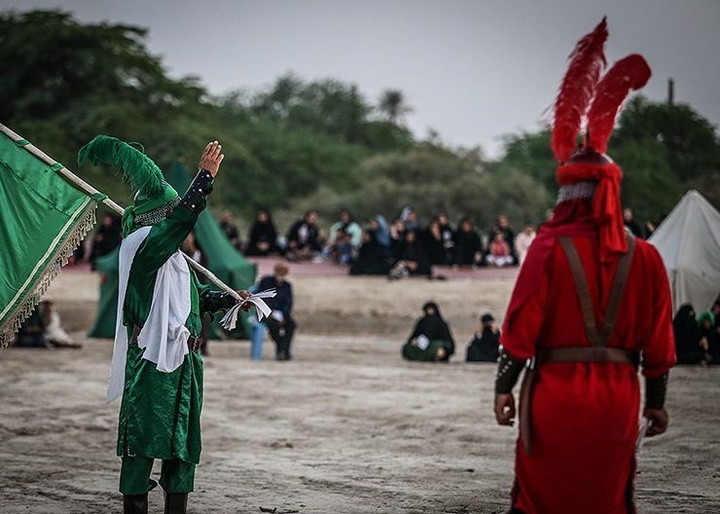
(160, 412)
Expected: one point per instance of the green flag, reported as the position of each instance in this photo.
(43, 218)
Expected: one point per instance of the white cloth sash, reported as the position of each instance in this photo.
(164, 335)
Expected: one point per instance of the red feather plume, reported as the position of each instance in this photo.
(628, 74)
(577, 90)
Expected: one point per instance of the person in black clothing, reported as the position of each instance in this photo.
(630, 223)
(431, 339)
(107, 237)
(433, 244)
(397, 237)
(468, 247)
(280, 323)
(687, 336)
(304, 238)
(372, 258)
(447, 236)
(485, 344)
(263, 236)
(412, 261)
(230, 230)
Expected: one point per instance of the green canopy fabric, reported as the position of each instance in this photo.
(107, 267)
(42, 220)
(223, 260)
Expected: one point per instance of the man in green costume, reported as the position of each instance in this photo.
(156, 367)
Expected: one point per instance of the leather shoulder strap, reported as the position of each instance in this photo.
(618, 288)
(583, 291)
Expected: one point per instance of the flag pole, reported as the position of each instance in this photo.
(90, 190)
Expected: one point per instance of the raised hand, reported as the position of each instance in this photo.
(211, 158)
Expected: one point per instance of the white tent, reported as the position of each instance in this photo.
(689, 242)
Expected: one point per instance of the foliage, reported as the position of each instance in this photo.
(663, 150)
(432, 179)
(530, 153)
(319, 144)
(689, 141)
(393, 106)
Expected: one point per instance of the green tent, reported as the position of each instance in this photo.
(107, 267)
(223, 260)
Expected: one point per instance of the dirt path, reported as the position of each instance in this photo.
(346, 427)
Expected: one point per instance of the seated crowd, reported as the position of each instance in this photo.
(397, 249)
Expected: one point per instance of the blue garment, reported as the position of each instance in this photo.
(256, 339)
(283, 300)
(281, 331)
(382, 234)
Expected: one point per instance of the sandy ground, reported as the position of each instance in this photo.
(346, 427)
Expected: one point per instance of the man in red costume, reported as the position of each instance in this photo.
(590, 304)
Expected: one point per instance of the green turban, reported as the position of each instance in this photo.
(154, 197)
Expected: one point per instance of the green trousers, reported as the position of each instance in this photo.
(176, 476)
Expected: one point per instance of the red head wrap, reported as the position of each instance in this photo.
(581, 84)
(607, 209)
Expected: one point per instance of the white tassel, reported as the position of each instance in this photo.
(229, 321)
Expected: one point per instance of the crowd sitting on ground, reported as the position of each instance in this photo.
(398, 249)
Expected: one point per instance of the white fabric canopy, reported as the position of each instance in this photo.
(689, 242)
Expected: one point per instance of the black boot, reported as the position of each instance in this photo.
(176, 503)
(135, 503)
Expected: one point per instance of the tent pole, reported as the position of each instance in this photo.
(90, 190)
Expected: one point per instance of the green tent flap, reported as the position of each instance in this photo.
(107, 267)
(223, 260)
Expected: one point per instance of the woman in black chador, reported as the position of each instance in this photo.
(372, 258)
(263, 236)
(687, 336)
(431, 339)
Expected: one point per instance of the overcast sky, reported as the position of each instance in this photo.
(473, 70)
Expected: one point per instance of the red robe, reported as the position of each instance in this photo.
(584, 415)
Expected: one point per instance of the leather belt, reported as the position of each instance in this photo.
(563, 355)
(585, 354)
(193, 342)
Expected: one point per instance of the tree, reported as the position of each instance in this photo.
(433, 179)
(329, 107)
(529, 153)
(64, 82)
(689, 141)
(392, 104)
(662, 149)
(50, 62)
